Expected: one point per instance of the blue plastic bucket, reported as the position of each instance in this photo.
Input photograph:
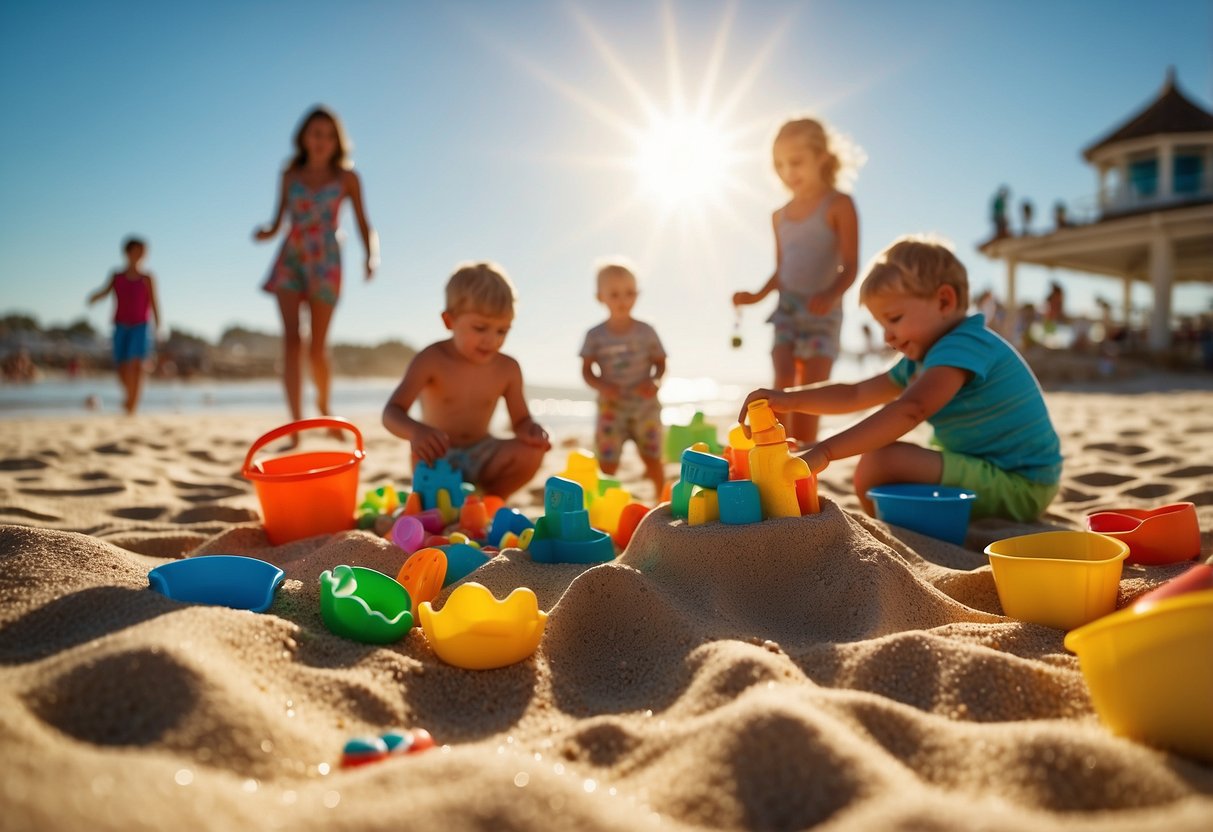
(935, 510)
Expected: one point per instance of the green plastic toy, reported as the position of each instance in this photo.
(364, 605)
(680, 437)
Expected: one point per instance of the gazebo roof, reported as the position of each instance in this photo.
(1171, 112)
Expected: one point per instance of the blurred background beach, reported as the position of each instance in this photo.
(543, 136)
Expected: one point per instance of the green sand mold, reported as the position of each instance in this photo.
(364, 605)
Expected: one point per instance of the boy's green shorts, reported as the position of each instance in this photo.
(999, 493)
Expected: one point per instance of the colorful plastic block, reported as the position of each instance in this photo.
(605, 511)
(563, 533)
(461, 561)
(703, 508)
(704, 470)
(428, 481)
(739, 503)
(680, 437)
(629, 519)
(507, 520)
(582, 468)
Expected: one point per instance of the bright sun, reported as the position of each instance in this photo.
(683, 160)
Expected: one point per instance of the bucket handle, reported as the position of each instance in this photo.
(302, 425)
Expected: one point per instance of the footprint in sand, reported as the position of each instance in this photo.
(21, 464)
(26, 514)
(97, 491)
(139, 512)
(1113, 447)
(1190, 472)
(113, 448)
(1102, 479)
(210, 514)
(1200, 498)
(1162, 460)
(1073, 495)
(206, 492)
(1150, 491)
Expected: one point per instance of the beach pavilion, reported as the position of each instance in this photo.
(1152, 217)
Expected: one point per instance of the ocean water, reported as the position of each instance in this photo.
(555, 407)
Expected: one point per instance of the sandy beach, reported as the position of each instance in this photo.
(828, 672)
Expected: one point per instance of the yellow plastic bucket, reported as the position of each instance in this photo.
(1150, 672)
(1058, 579)
(308, 494)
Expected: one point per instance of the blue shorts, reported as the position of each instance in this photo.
(132, 342)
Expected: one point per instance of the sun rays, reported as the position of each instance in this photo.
(681, 143)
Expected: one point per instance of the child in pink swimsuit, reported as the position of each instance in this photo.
(308, 268)
(135, 293)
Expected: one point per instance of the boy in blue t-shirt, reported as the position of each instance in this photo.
(991, 424)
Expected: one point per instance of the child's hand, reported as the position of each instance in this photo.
(816, 458)
(264, 232)
(822, 302)
(533, 434)
(777, 399)
(430, 444)
(744, 298)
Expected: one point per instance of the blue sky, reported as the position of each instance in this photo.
(506, 131)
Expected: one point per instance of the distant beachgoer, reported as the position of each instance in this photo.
(1054, 311)
(307, 272)
(630, 362)
(459, 382)
(1026, 210)
(998, 212)
(1059, 215)
(135, 295)
(993, 433)
(816, 260)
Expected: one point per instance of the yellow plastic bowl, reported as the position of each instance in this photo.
(1058, 579)
(1150, 672)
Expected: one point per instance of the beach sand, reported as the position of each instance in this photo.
(827, 672)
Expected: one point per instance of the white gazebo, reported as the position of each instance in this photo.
(1152, 219)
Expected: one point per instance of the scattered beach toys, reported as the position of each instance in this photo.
(423, 575)
(738, 453)
(1168, 534)
(362, 750)
(221, 580)
(680, 437)
(431, 481)
(475, 631)
(507, 521)
(474, 517)
(774, 470)
(606, 509)
(700, 473)
(307, 494)
(582, 468)
(563, 534)
(380, 506)
(629, 519)
(1149, 668)
(1058, 579)
(939, 511)
(408, 533)
(461, 561)
(364, 605)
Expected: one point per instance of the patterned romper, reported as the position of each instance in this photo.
(310, 259)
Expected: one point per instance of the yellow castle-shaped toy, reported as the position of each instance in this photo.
(774, 470)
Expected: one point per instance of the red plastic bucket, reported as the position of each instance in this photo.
(308, 494)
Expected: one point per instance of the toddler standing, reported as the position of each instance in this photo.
(622, 358)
